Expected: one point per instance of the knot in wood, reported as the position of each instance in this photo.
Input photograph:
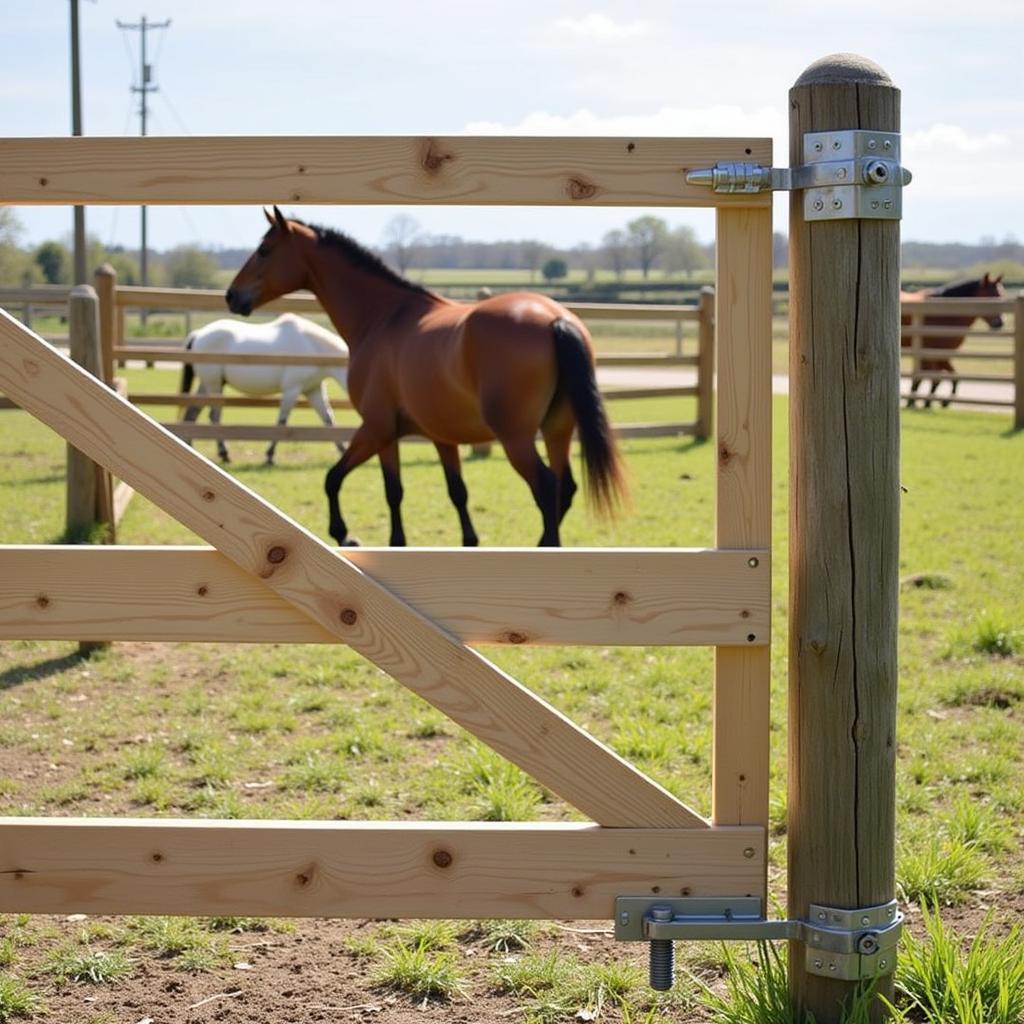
(515, 638)
(203, 590)
(621, 597)
(276, 554)
(434, 158)
(580, 188)
(43, 601)
(348, 616)
(442, 858)
(208, 495)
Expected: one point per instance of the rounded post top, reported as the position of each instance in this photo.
(844, 69)
(82, 291)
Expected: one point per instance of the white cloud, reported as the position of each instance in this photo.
(598, 26)
(947, 137)
(685, 122)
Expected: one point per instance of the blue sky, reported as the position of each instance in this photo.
(257, 67)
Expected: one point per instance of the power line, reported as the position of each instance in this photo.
(144, 88)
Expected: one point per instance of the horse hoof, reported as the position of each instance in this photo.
(350, 542)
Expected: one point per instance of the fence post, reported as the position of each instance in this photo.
(844, 535)
(705, 362)
(106, 288)
(1018, 363)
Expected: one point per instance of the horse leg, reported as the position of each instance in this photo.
(557, 445)
(318, 399)
(952, 386)
(522, 453)
(215, 411)
(931, 393)
(364, 445)
(393, 491)
(192, 412)
(449, 455)
(288, 399)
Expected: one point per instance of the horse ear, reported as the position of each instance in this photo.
(266, 213)
(281, 221)
(986, 279)
(998, 280)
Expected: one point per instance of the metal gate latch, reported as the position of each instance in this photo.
(847, 944)
(845, 176)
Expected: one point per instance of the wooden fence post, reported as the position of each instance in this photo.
(1018, 363)
(705, 362)
(844, 535)
(106, 289)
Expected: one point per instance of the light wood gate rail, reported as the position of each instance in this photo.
(644, 840)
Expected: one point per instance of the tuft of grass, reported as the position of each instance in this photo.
(90, 966)
(507, 936)
(943, 870)
(926, 581)
(943, 982)
(183, 940)
(426, 935)
(498, 789)
(145, 762)
(16, 999)
(994, 635)
(531, 975)
(421, 973)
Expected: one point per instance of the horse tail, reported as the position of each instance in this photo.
(187, 369)
(577, 380)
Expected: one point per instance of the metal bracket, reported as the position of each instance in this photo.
(845, 175)
(847, 944)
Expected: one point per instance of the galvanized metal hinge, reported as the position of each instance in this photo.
(847, 944)
(845, 175)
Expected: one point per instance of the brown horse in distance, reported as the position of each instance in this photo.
(456, 373)
(983, 287)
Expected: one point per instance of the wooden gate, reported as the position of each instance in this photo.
(412, 613)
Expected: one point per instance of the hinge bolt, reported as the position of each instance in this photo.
(819, 204)
(662, 954)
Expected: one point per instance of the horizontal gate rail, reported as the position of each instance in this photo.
(491, 596)
(464, 170)
(362, 869)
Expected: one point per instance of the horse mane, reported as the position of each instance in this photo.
(363, 259)
(957, 289)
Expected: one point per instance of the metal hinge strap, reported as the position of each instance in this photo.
(845, 175)
(840, 943)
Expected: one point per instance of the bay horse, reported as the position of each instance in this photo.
(456, 373)
(287, 335)
(981, 287)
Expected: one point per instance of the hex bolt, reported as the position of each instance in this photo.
(662, 955)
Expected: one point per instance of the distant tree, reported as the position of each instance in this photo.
(554, 269)
(401, 237)
(188, 266)
(54, 261)
(683, 252)
(17, 268)
(586, 256)
(648, 236)
(615, 246)
(126, 266)
(532, 253)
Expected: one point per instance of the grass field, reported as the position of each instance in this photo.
(312, 732)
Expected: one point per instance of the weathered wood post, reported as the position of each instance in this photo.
(106, 289)
(1018, 363)
(705, 362)
(844, 533)
(89, 486)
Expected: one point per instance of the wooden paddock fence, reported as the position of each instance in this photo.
(1004, 345)
(415, 613)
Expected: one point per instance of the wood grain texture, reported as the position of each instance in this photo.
(499, 596)
(361, 869)
(331, 590)
(844, 544)
(706, 364)
(465, 170)
(1018, 362)
(743, 508)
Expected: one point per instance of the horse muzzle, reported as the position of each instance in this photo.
(238, 302)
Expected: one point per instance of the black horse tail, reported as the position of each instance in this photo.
(577, 380)
(187, 370)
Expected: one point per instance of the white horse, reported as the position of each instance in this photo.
(287, 335)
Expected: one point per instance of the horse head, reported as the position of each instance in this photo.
(992, 288)
(274, 269)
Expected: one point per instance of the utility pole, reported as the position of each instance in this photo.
(76, 129)
(144, 87)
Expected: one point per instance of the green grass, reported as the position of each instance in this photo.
(17, 1000)
(315, 732)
